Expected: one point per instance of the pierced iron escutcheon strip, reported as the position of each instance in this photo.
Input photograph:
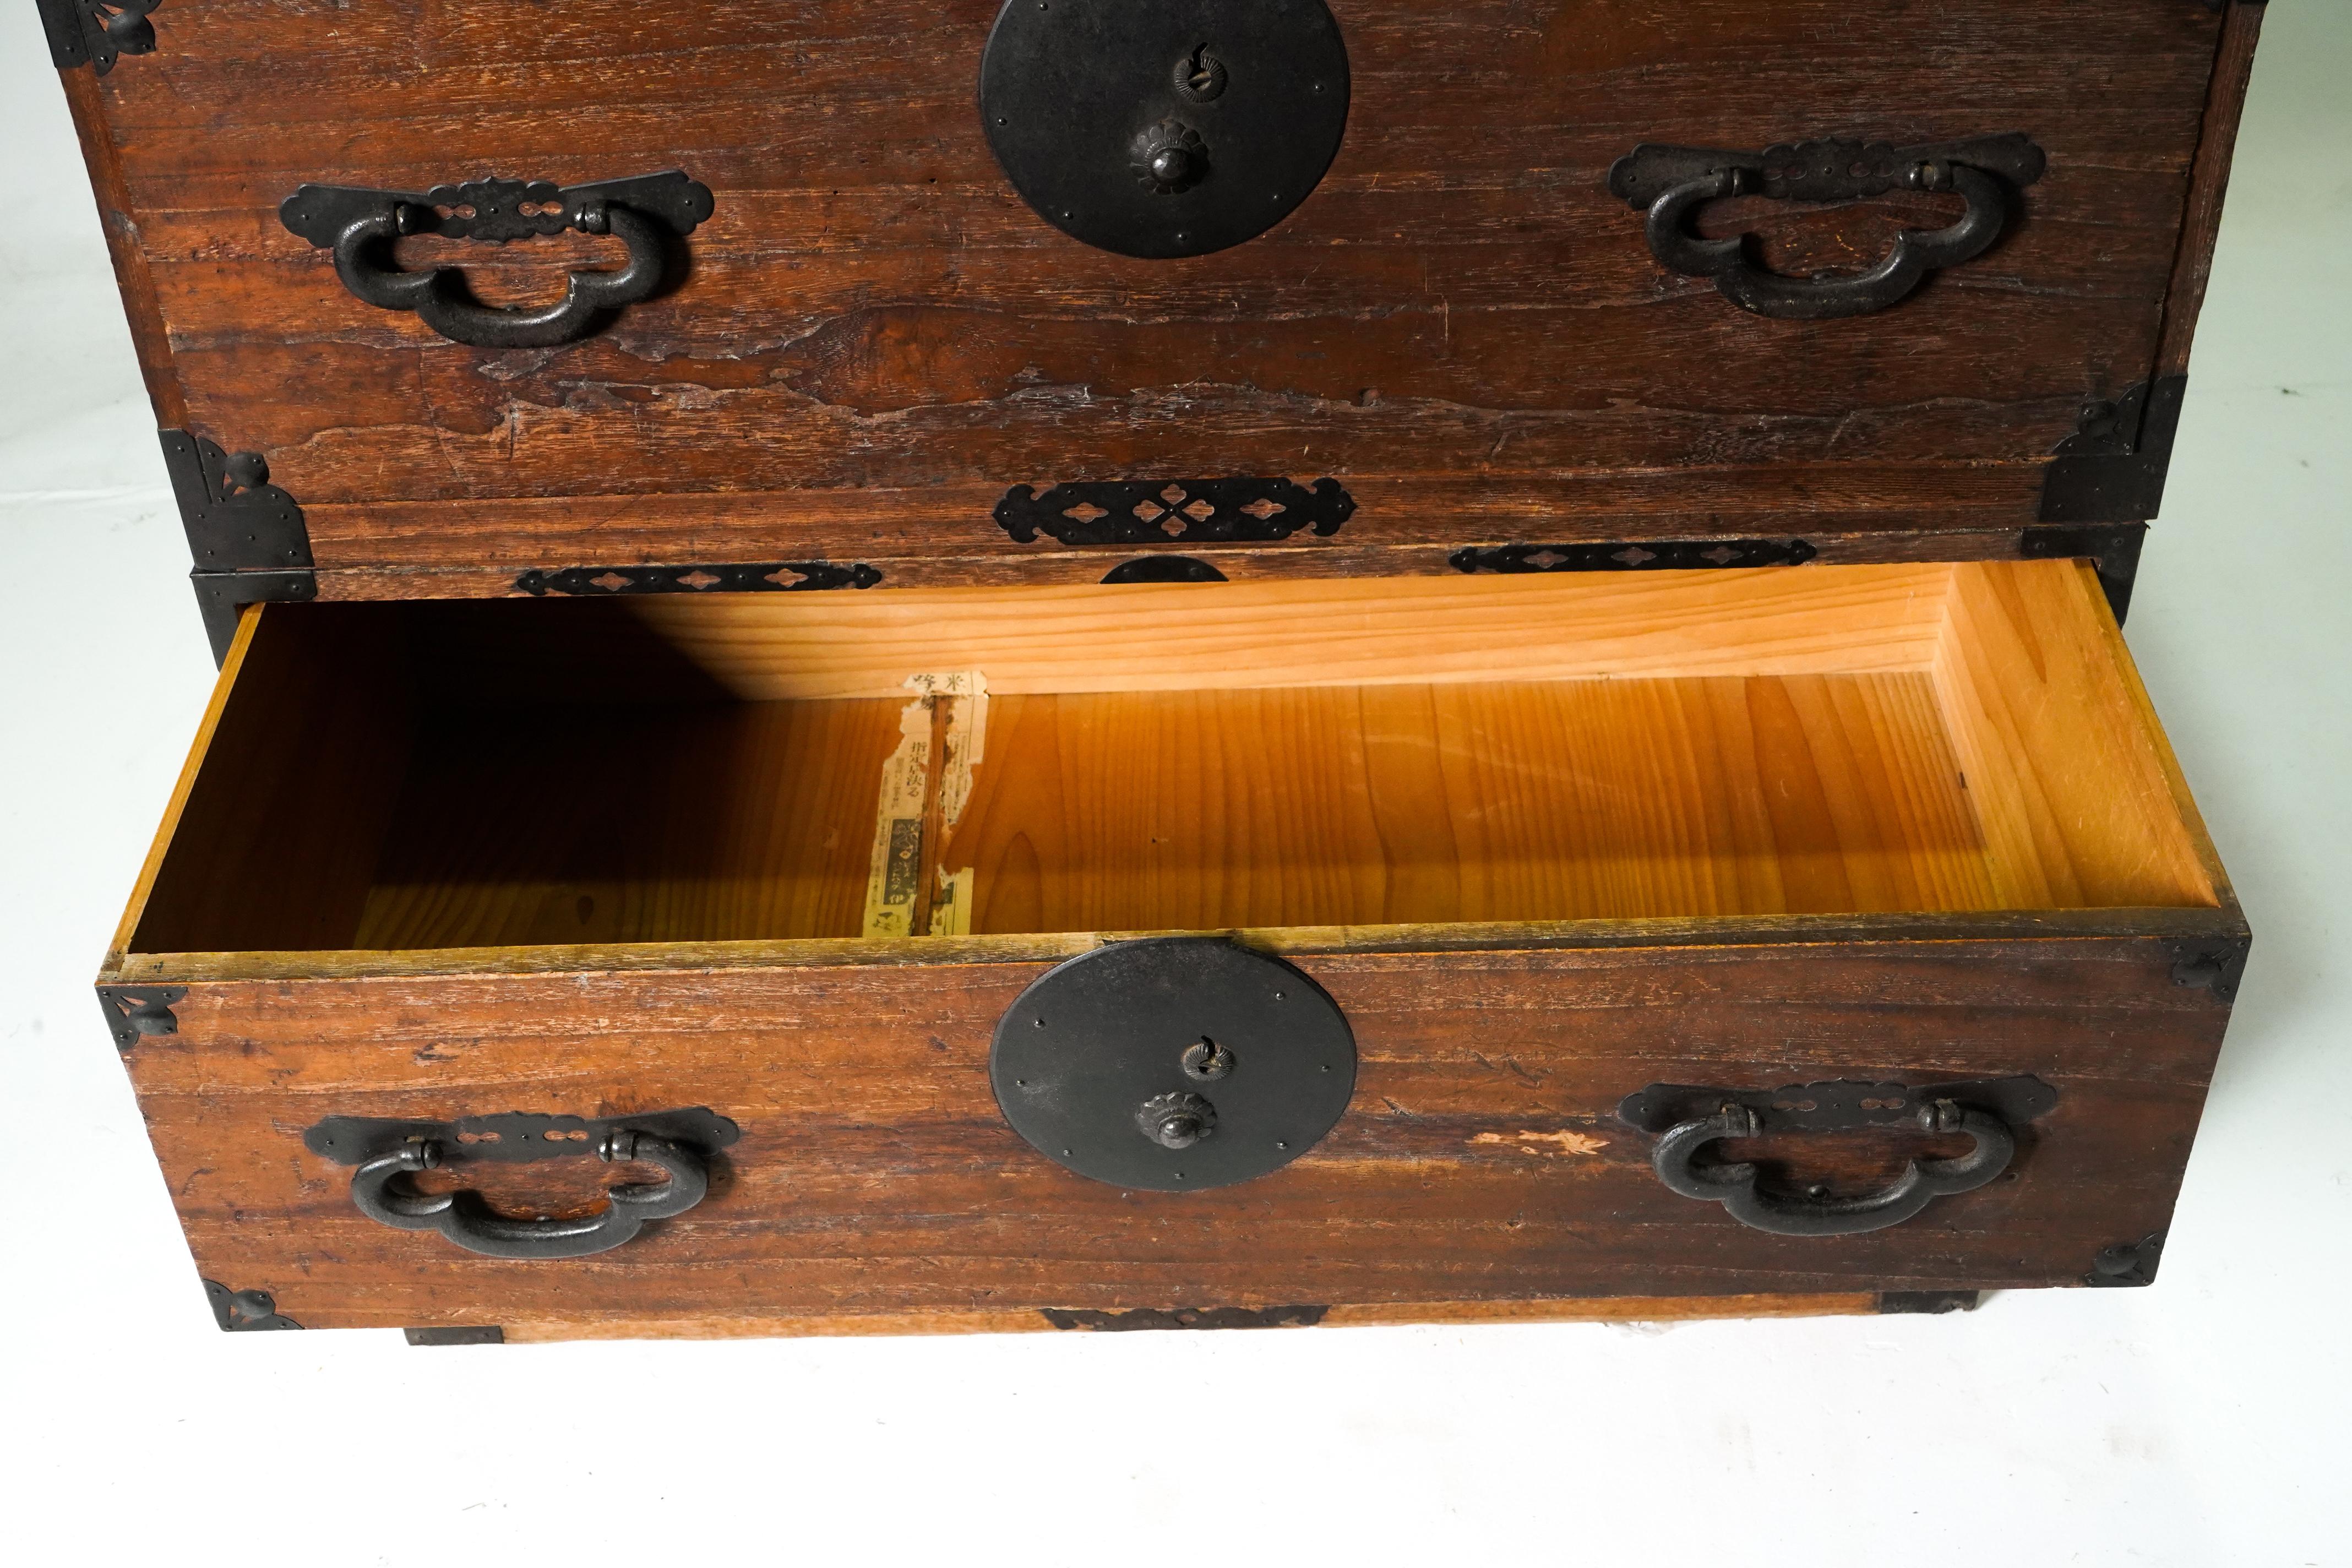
(245, 1311)
(236, 520)
(1148, 1318)
(1639, 555)
(735, 577)
(1173, 511)
(96, 33)
(134, 1013)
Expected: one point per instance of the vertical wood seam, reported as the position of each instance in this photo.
(2209, 179)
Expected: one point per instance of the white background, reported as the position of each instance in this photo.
(2197, 1422)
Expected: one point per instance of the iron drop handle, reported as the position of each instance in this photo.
(1674, 183)
(383, 1192)
(1736, 1185)
(360, 226)
(441, 300)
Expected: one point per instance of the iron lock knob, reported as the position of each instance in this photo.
(1176, 1121)
(1169, 158)
(1171, 166)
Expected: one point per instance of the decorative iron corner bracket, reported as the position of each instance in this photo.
(2128, 1263)
(648, 213)
(96, 33)
(133, 1013)
(1639, 555)
(2217, 965)
(2112, 470)
(248, 537)
(221, 595)
(236, 520)
(1148, 1318)
(735, 577)
(1173, 511)
(2113, 548)
(245, 1311)
(1674, 183)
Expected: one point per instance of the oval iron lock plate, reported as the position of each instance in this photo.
(1173, 1064)
(1164, 129)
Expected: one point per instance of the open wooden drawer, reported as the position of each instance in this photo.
(1864, 903)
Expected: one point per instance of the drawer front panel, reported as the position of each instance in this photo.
(871, 337)
(1481, 1159)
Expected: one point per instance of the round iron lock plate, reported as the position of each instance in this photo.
(1164, 129)
(1173, 1064)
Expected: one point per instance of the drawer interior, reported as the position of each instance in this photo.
(1544, 747)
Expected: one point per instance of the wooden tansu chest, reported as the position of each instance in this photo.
(1090, 665)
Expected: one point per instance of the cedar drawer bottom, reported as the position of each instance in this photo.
(1547, 841)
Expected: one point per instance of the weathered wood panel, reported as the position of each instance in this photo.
(875, 1175)
(1461, 317)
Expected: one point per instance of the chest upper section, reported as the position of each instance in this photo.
(830, 266)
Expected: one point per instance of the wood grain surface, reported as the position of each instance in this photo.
(876, 1176)
(2073, 781)
(1419, 752)
(875, 337)
(1186, 637)
(943, 537)
(1496, 801)
(2217, 145)
(749, 820)
(1566, 1309)
(442, 773)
